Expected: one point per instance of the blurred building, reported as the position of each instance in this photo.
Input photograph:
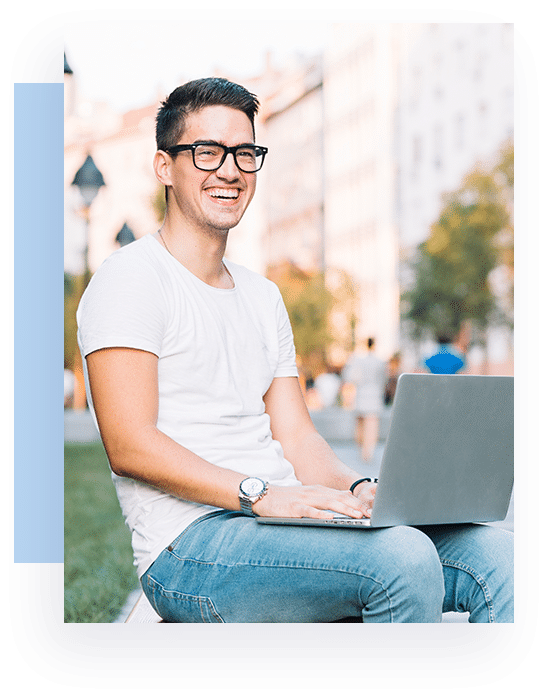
(330, 183)
(455, 108)
(361, 229)
(293, 123)
(122, 147)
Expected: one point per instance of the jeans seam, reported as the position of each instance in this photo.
(478, 579)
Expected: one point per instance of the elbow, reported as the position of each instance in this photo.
(128, 452)
(117, 468)
(117, 461)
(120, 457)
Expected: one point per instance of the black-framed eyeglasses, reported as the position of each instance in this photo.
(210, 156)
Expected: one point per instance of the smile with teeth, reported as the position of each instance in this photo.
(224, 194)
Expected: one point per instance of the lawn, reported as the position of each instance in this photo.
(99, 572)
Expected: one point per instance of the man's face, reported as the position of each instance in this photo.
(213, 201)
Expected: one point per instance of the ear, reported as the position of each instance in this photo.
(162, 167)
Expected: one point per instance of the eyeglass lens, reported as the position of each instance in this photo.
(208, 157)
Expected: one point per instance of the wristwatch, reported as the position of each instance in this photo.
(251, 490)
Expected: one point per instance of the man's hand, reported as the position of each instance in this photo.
(365, 492)
(314, 501)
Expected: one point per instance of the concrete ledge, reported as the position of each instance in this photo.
(80, 427)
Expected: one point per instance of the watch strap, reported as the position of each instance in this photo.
(245, 506)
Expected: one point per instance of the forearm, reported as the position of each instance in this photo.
(152, 457)
(316, 463)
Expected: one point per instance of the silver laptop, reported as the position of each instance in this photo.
(448, 458)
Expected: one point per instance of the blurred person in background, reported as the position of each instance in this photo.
(447, 359)
(367, 373)
(328, 385)
(394, 371)
(191, 374)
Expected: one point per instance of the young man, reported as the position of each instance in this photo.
(191, 374)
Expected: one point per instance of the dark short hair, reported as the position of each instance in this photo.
(195, 95)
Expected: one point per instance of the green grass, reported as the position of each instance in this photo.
(99, 572)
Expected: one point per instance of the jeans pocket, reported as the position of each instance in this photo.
(177, 607)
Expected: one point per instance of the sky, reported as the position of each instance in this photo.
(126, 63)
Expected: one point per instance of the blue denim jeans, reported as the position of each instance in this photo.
(227, 568)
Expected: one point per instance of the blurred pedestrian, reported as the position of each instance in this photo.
(368, 374)
(392, 380)
(447, 359)
(328, 385)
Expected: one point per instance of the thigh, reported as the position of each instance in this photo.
(228, 568)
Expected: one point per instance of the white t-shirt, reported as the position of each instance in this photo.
(218, 351)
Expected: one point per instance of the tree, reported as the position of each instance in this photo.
(158, 201)
(504, 176)
(452, 269)
(321, 308)
(308, 304)
(74, 287)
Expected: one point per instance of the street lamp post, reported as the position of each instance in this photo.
(125, 236)
(89, 180)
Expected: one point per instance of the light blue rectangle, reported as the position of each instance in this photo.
(38, 322)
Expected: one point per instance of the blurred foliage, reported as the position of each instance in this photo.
(159, 203)
(310, 304)
(344, 314)
(504, 176)
(452, 268)
(74, 288)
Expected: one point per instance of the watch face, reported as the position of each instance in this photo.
(252, 486)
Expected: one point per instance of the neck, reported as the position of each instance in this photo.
(202, 254)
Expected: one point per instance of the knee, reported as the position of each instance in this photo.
(411, 587)
(415, 564)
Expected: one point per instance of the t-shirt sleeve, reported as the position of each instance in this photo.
(287, 363)
(122, 306)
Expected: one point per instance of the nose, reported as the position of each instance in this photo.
(229, 170)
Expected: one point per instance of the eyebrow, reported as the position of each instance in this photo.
(211, 142)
